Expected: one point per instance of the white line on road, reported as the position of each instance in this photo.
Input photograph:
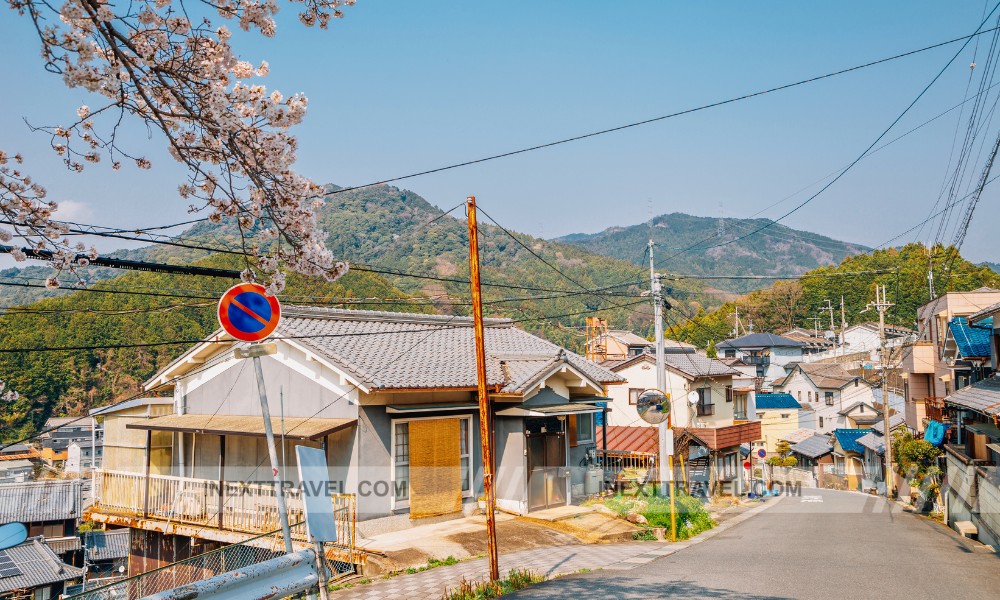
(812, 498)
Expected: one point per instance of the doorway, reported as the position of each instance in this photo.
(547, 471)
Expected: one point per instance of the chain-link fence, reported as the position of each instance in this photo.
(229, 558)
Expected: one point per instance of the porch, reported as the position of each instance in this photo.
(223, 511)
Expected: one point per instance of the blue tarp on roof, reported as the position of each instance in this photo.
(848, 439)
(972, 340)
(776, 401)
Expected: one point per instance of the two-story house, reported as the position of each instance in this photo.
(708, 416)
(778, 414)
(64, 432)
(390, 397)
(928, 375)
(770, 354)
(833, 394)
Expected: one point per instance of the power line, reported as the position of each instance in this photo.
(584, 136)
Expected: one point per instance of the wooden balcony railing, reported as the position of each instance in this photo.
(229, 506)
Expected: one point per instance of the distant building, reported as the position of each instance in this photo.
(618, 345)
(768, 353)
(828, 389)
(65, 431)
(50, 509)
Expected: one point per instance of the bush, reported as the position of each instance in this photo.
(692, 517)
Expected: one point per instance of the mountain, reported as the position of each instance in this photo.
(777, 250)
(995, 267)
(382, 230)
(789, 304)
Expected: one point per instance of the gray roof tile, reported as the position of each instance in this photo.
(386, 350)
(982, 396)
(107, 545)
(38, 566)
(49, 500)
(814, 446)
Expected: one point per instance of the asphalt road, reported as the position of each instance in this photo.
(825, 544)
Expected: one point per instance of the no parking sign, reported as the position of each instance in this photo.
(247, 313)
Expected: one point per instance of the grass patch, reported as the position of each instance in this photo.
(692, 517)
(516, 579)
(644, 535)
(434, 562)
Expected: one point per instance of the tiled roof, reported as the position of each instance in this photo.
(798, 435)
(628, 338)
(814, 446)
(826, 375)
(775, 402)
(809, 340)
(894, 421)
(49, 500)
(982, 396)
(37, 566)
(64, 544)
(107, 545)
(760, 340)
(848, 439)
(633, 439)
(848, 410)
(873, 442)
(972, 341)
(691, 365)
(437, 351)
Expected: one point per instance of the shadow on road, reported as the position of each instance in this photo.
(624, 588)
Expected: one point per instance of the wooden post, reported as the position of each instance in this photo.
(485, 410)
(222, 478)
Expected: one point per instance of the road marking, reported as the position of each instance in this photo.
(812, 498)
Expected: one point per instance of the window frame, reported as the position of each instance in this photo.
(828, 396)
(395, 503)
(593, 428)
(633, 396)
(705, 403)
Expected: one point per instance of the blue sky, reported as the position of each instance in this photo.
(397, 87)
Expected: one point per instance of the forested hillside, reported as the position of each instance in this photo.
(788, 304)
(776, 250)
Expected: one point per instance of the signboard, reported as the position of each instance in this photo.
(762, 453)
(247, 313)
(315, 478)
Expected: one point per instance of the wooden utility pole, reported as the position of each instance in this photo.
(485, 409)
(882, 305)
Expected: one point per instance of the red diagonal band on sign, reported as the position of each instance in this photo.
(248, 311)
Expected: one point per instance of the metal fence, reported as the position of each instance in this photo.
(229, 558)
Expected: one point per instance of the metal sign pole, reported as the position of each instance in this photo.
(279, 491)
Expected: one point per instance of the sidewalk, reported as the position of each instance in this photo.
(550, 562)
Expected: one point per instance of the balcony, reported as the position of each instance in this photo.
(223, 511)
(759, 361)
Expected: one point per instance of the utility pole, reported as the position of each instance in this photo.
(485, 410)
(736, 328)
(843, 326)
(664, 431)
(882, 305)
(829, 308)
(816, 321)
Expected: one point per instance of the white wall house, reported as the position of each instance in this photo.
(769, 353)
(711, 379)
(829, 391)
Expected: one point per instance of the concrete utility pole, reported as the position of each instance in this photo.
(815, 321)
(664, 431)
(829, 308)
(485, 410)
(882, 305)
(843, 326)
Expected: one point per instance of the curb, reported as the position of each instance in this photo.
(671, 548)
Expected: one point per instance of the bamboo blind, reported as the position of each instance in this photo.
(435, 469)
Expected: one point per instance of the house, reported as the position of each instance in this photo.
(391, 397)
(815, 451)
(828, 389)
(874, 460)
(708, 415)
(767, 352)
(16, 471)
(812, 342)
(617, 344)
(712, 380)
(31, 570)
(860, 415)
(80, 458)
(849, 456)
(743, 385)
(927, 374)
(778, 415)
(49, 509)
(107, 552)
(65, 431)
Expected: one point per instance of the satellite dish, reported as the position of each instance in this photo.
(693, 398)
(653, 406)
(12, 534)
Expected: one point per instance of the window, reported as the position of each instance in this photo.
(799, 396)
(582, 426)
(821, 422)
(633, 395)
(829, 398)
(729, 393)
(401, 458)
(705, 406)
(809, 396)
(786, 415)
(730, 353)
(861, 408)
